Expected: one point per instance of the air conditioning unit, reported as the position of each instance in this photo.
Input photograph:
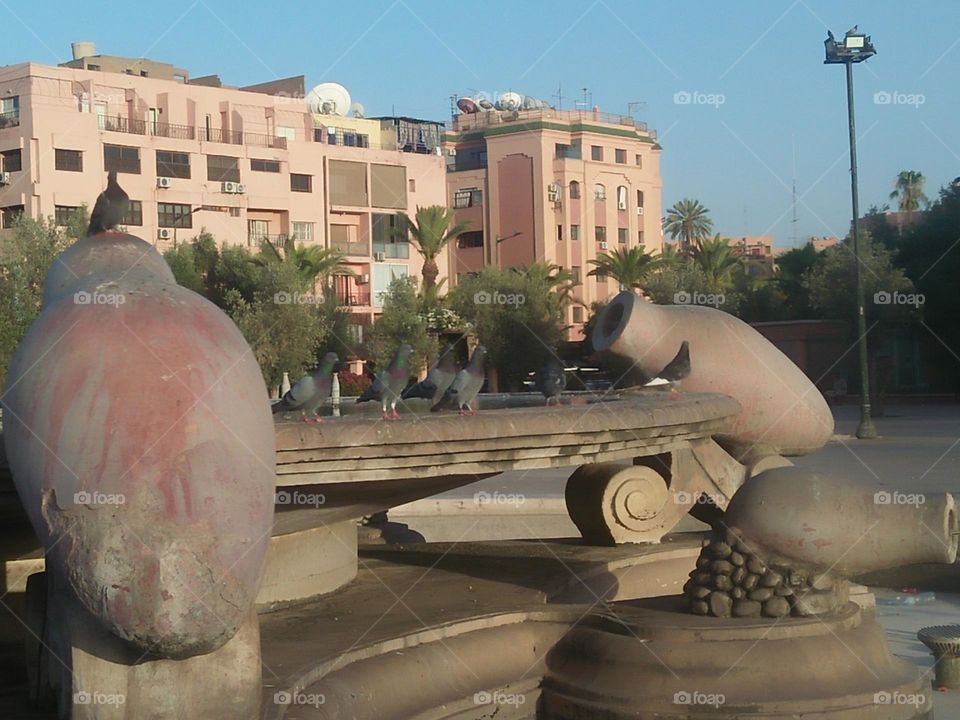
(165, 233)
(164, 182)
(229, 187)
(622, 205)
(241, 189)
(4, 178)
(379, 257)
(363, 279)
(553, 193)
(603, 246)
(640, 210)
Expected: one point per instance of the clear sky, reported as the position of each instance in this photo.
(763, 108)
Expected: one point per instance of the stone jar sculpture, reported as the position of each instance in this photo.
(139, 434)
(782, 409)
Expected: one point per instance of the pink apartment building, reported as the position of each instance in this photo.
(244, 163)
(554, 186)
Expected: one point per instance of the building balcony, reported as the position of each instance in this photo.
(354, 296)
(122, 125)
(186, 132)
(257, 239)
(9, 119)
(351, 249)
(177, 132)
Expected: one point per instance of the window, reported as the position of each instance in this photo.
(559, 232)
(577, 314)
(222, 168)
(11, 160)
(65, 214)
(468, 197)
(389, 235)
(596, 153)
(134, 214)
(9, 214)
(621, 197)
(600, 233)
(121, 158)
(388, 186)
(599, 192)
(568, 152)
(174, 215)
(411, 185)
(574, 190)
(272, 166)
(639, 198)
(623, 235)
(9, 111)
(600, 275)
(303, 232)
(286, 132)
(301, 183)
(620, 156)
(640, 237)
(575, 272)
(638, 159)
(70, 160)
(470, 239)
(173, 164)
(383, 275)
(574, 232)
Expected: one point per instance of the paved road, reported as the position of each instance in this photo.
(918, 451)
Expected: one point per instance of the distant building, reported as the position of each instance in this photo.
(247, 164)
(758, 250)
(821, 244)
(555, 186)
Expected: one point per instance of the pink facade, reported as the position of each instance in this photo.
(553, 186)
(242, 164)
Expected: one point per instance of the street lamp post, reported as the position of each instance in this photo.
(854, 48)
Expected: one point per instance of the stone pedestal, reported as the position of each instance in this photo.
(649, 659)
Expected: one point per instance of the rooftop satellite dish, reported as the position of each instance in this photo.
(466, 105)
(329, 99)
(485, 104)
(357, 110)
(510, 101)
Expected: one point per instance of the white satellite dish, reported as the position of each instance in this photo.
(329, 99)
(510, 101)
(357, 110)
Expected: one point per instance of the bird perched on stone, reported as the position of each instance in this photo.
(111, 207)
(310, 392)
(551, 379)
(465, 386)
(389, 384)
(439, 378)
(674, 371)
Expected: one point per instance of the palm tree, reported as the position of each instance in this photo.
(630, 268)
(553, 277)
(430, 232)
(311, 261)
(688, 221)
(717, 261)
(908, 192)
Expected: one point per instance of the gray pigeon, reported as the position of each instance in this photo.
(310, 392)
(111, 207)
(551, 379)
(465, 386)
(674, 371)
(389, 384)
(439, 378)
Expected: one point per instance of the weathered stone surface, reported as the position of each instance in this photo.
(722, 582)
(698, 592)
(737, 559)
(750, 581)
(738, 575)
(770, 579)
(761, 594)
(721, 567)
(699, 607)
(720, 604)
(746, 608)
(756, 566)
(737, 593)
(719, 549)
(776, 607)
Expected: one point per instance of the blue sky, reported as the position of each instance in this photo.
(764, 108)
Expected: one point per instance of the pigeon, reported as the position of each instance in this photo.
(439, 378)
(310, 392)
(389, 384)
(464, 388)
(551, 380)
(111, 207)
(674, 371)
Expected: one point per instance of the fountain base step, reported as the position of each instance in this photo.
(648, 659)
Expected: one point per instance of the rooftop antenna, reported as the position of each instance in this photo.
(793, 228)
(453, 104)
(559, 96)
(583, 104)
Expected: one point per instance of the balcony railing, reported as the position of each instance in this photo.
(122, 124)
(219, 135)
(358, 295)
(255, 239)
(482, 120)
(352, 249)
(177, 132)
(9, 119)
(261, 140)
